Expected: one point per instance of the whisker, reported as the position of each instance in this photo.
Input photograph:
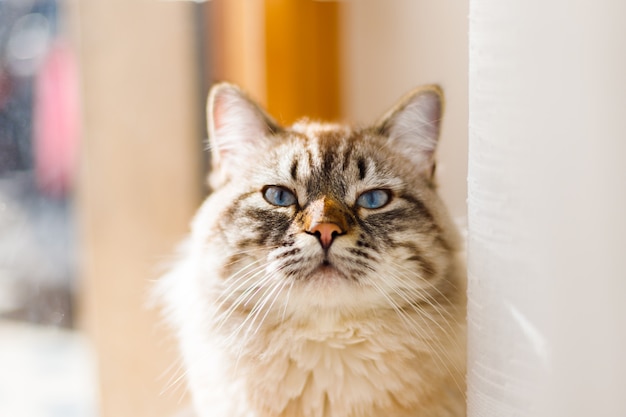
(402, 291)
(447, 332)
(287, 301)
(415, 329)
(176, 376)
(268, 309)
(435, 345)
(245, 297)
(239, 282)
(254, 315)
(427, 296)
(249, 295)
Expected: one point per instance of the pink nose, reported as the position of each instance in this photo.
(325, 232)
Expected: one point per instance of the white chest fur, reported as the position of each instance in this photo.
(349, 372)
(341, 374)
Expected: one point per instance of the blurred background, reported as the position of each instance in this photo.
(102, 163)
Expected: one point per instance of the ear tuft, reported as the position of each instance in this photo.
(413, 125)
(238, 129)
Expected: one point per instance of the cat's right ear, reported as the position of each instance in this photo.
(238, 131)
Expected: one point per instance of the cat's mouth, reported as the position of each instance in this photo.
(327, 270)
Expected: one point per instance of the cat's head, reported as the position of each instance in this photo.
(322, 214)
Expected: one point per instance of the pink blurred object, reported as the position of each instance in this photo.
(56, 121)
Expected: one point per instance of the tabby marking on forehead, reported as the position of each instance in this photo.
(322, 276)
(294, 169)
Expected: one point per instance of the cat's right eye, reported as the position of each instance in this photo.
(279, 196)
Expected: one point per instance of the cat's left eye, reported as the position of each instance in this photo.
(374, 199)
(279, 196)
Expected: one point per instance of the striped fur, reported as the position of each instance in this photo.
(271, 323)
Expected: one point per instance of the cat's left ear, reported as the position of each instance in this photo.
(413, 126)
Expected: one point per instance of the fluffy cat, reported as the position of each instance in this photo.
(322, 277)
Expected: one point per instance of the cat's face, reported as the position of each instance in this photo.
(323, 215)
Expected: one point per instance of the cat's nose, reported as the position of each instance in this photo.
(326, 233)
(326, 219)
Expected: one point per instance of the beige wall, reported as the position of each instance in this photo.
(394, 45)
(139, 185)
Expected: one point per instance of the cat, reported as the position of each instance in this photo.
(322, 276)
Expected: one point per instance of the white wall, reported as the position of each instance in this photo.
(393, 46)
(547, 232)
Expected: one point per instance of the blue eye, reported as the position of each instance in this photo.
(279, 196)
(373, 199)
